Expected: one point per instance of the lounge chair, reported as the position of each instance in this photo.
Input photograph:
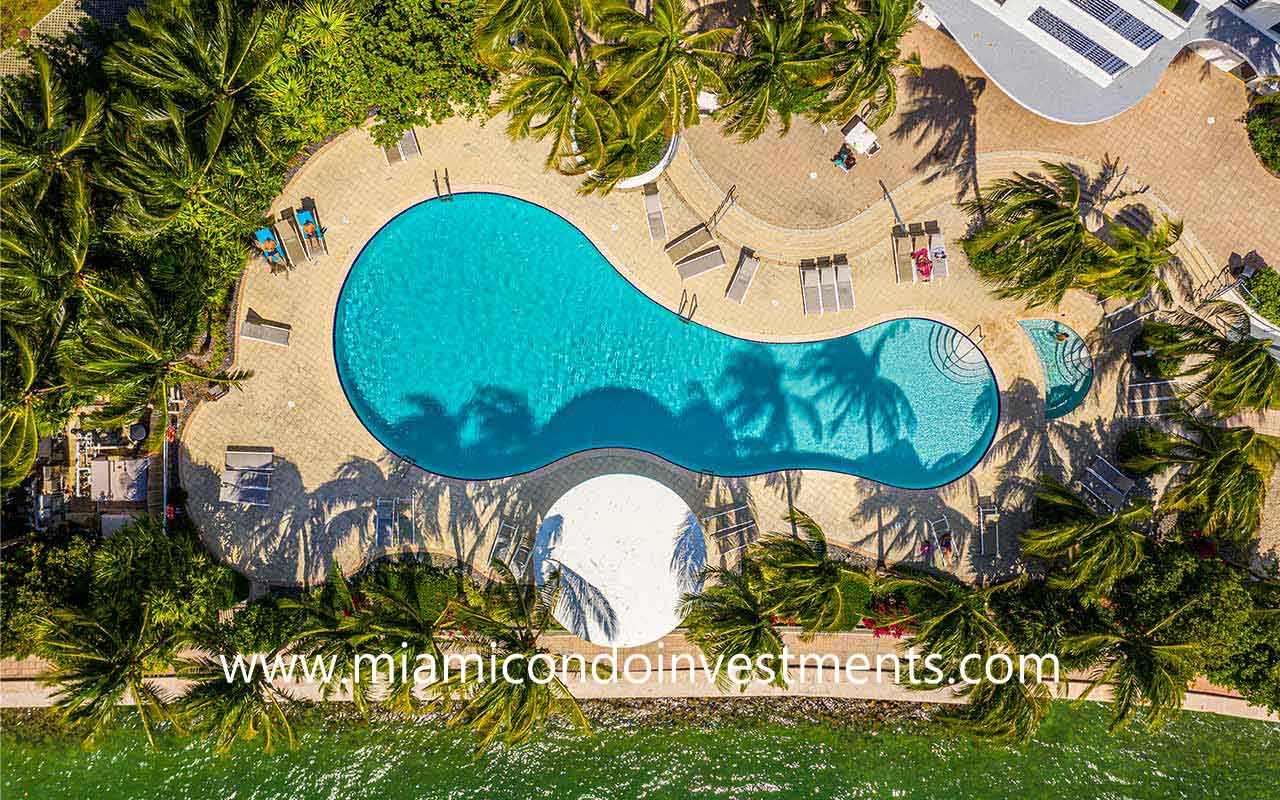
(988, 520)
(937, 248)
(404, 149)
(1154, 398)
(502, 542)
(523, 554)
(250, 457)
(687, 243)
(827, 284)
(653, 209)
(257, 329)
(810, 290)
(1131, 314)
(246, 487)
(312, 233)
(940, 530)
(700, 262)
(905, 267)
(873, 150)
(386, 522)
(748, 265)
(736, 537)
(287, 231)
(269, 246)
(1108, 485)
(844, 282)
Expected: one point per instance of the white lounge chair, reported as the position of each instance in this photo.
(250, 457)
(748, 264)
(844, 282)
(687, 243)
(937, 248)
(700, 262)
(288, 239)
(653, 209)
(404, 149)
(257, 329)
(988, 520)
(827, 284)
(810, 289)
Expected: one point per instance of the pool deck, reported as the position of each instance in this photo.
(330, 471)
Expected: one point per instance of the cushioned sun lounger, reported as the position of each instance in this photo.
(312, 233)
(263, 330)
(653, 209)
(809, 288)
(269, 246)
(687, 243)
(250, 457)
(827, 283)
(748, 264)
(287, 233)
(937, 248)
(700, 262)
(844, 282)
(904, 266)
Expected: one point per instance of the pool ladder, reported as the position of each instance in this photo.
(688, 305)
(447, 194)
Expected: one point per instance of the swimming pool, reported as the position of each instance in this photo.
(485, 336)
(1067, 365)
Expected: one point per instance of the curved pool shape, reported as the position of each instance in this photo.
(484, 336)
(1068, 367)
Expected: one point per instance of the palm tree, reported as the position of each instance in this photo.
(202, 61)
(802, 581)
(1235, 371)
(44, 141)
(1224, 475)
(165, 166)
(22, 407)
(663, 60)
(1033, 244)
(1134, 262)
(866, 60)
(731, 617)
(1148, 677)
(334, 631)
(500, 22)
(625, 149)
(234, 710)
(135, 364)
(401, 612)
(780, 73)
(99, 661)
(1004, 713)
(552, 96)
(509, 627)
(1093, 551)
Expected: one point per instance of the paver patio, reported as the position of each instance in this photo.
(330, 471)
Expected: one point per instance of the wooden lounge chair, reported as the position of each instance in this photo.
(684, 245)
(810, 290)
(937, 248)
(700, 262)
(844, 282)
(653, 209)
(404, 149)
(904, 266)
(827, 284)
(257, 329)
(748, 264)
(287, 234)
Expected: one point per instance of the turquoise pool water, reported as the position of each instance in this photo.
(485, 336)
(1068, 368)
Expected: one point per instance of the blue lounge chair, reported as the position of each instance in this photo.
(273, 254)
(312, 233)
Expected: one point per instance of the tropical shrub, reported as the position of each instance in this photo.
(1264, 285)
(1263, 127)
(37, 576)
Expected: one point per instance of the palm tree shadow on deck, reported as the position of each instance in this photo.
(943, 109)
